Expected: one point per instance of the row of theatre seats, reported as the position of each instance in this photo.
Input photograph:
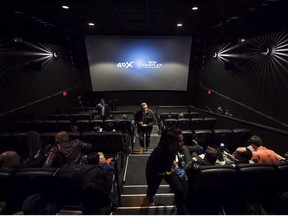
(78, 125)
(63, 190)
(243, 189)
(106, 142)
(232, 138)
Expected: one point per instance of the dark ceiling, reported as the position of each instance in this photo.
(221, 19)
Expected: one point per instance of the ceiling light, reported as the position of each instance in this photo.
(179, 24)
(91, 24)
(65, 7)
(195, 8)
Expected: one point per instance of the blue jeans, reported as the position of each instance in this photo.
(141, 134)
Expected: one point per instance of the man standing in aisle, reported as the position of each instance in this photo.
(145, 119)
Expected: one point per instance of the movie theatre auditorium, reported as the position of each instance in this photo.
(220, 80)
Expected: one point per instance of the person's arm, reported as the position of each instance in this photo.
(50, 159)
(152, 119)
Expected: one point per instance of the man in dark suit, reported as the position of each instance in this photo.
(103, 109)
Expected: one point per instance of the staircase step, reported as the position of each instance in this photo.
(146, 210)
(136, 200)
(141, 189)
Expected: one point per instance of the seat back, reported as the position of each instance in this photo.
(125, 126)
(83, 125)
(256, 181)
(187, 137)
(109, 125)
(222, 136)
(209, 123)
(210, 184)
(170, 123)
(95, 138)
(197, 123)
(239, 138)
(63, 125)
(112, 142)
(18, 143)
(282, 176)
(48, 137)
(184, 123)
(204, 137)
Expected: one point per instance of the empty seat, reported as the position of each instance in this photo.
(53, 117)
(256, 184)
(84, 116)
(48, 138)
(63, 125)
(63, 117)
(194, 115)
(204, 137)
(74, 135)
(96, 123)
(74, 118)
(18, 143)
(83, 125)
(184, 123)
(281, 176)
(239, 138)
(95, 138)
(125, 126)
(209, 186)
(22, 125)
(170, 123)
(197, 123)
(209, 122)
(164, 116)
(49, 126)
(222, 136)
(174, 115)
(113, 142)
(35, 125)
(109, 125)
(35, 181)
(4, 141)
(187, 137)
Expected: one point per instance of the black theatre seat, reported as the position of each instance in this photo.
(95, 138)
(209, 187)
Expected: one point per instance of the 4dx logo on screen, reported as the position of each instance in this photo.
(149, 64)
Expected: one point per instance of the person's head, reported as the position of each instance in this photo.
(211, 155)
(102, 101)
(10, 159)
(61, 137)
(255, 141)
(102, 158)
(242, 155)
(144, 106)
(124, 116)
(171, 138)
(181, 115)
(93, 158)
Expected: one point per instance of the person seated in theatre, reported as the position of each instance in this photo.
(188, 151)
(10, 160)
(261, 153)
(103, 109)
(241, 155)
(180, 115)
(65, 151)
(99, 158)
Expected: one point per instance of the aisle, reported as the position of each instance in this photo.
(135, 186)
